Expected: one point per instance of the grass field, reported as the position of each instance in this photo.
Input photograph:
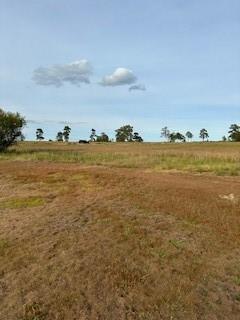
(120, 231)
(218, 158)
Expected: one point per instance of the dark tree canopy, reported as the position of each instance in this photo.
(59, 136)
(11, 125)
(176, 136)
(234, 132)
(189, 135)
(124, 133)
(137, 137)
(93, 136)
(102, 138)
(203, 134)
(66, 133)
(39, 134)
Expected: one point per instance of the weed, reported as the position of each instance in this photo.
(176, 243)
(3, 245)
(19, 203)
(159, 253)
(33, 311)
(237, 280)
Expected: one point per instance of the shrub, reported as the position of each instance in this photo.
(11, 125)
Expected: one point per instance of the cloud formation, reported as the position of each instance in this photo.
(137, 87)
(121, 76)
(55, 121)
(33, 121)
(71, 122)
(73, 73)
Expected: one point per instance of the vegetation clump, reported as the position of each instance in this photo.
(11, 125)
(234, 132)
(126, 134)
(18, 203)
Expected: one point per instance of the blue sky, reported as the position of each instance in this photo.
(186, 53)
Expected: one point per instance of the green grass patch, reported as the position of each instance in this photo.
(19, 203)
(4, 244)
(237, 280)
(178, 244)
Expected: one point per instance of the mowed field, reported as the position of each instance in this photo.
(120, 231)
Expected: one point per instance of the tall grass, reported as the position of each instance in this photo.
(217, 158)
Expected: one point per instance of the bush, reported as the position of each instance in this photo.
(11, 125)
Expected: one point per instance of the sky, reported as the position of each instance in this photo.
(105, 63)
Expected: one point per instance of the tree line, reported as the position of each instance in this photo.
(123, 134)
(177, 136)
(11, 125)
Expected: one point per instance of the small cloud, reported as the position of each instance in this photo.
(121, 76)
(55, 121)
(33, 121)
(74, 73)
(137, 87)
(71, 123)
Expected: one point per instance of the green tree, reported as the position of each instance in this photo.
(59, 136)
(165, 133)
(102, 138)
(137, 137)
(93, 135)
(11, 125)
(224, 138)
(66, 133)
(203, 134)
(176, 136)
(124, 133)
(234, 132)
(39, 134)
(189, 135)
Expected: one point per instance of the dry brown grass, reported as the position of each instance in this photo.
(102, 242)
(218, 158)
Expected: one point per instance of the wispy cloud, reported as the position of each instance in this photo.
(73, 73)
(121, 76)
(71, 122)
(33, 121)
(55, 121)
(140, 87)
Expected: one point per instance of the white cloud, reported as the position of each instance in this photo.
(137, 87)
(121, 76)
(74, 73)
(55, 121)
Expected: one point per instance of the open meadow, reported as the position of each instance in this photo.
(121, 231)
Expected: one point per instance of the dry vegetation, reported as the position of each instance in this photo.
(120, 231)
